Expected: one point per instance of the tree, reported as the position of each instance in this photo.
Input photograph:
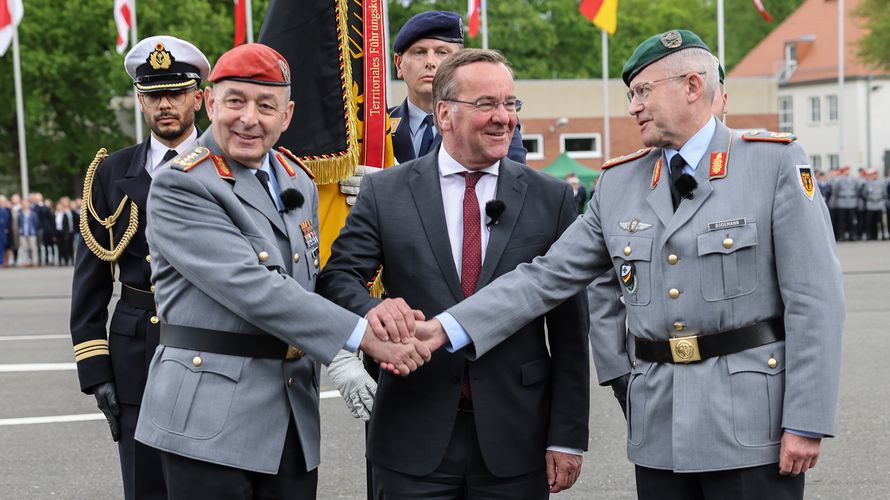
(874, 47)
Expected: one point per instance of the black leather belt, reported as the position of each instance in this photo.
(137, 298)
(234, 344)
(698, 347)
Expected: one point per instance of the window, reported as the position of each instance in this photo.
(815, 109)
(786, 114)
(832, 108)
(580, 145)
(834, 162)
(534, 143)
(816, 162)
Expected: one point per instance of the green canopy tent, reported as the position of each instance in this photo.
(564, 165)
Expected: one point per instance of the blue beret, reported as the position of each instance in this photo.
(436, 24)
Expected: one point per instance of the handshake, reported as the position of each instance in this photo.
(399, 339)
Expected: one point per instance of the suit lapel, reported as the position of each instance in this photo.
(660, 197)
(427, 193)
(511, 190)
(136, 182)
(291, 217)
(401, 138)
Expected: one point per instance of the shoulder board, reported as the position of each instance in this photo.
(296, 160)
(618, 160)
(763, 136)
(187, 161)
(222, 167)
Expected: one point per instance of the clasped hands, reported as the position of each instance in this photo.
(398, 338)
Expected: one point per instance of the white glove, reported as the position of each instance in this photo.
(355, 385)
(350, 185)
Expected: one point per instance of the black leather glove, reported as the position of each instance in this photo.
(619, 387)
(106, 398)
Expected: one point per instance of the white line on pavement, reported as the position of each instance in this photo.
(35, 337)
(36, 367)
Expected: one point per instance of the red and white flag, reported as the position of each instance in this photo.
(11, 12)
(762, 10)
(474, 10)
(123, 19)
(240, 22)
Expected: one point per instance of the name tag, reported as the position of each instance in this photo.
(726, 224)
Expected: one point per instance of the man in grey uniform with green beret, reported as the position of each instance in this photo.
(731, 285)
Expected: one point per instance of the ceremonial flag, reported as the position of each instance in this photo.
(762, 10)
(337, 53)
(474, 7)
(603, 13)
(240, 22)
(123, 19)
(11, 12)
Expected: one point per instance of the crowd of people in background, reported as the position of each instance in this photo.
(859, 204)
(38, 232)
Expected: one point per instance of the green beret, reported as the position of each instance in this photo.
(658, 46)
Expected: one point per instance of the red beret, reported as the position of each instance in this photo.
(252, 63)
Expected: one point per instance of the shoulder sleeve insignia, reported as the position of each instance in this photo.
(763, 136)
(187, 161)
(286, 164)
(297, 160)
(222, 167)
(618, 160)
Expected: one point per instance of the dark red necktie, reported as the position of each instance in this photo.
(471, 255)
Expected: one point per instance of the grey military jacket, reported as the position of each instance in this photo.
(845, 192)
(874, 192)
(754, 242)
(223, 258)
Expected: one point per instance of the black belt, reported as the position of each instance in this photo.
(137, 298)
(234, 344)
(699, 347)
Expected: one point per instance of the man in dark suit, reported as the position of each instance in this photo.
(511, 425)
(420, 46)
(167, 73)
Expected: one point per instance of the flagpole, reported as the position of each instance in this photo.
(248, 19)
(721, 42)
(607, 142)
(841, 45)
(484, 24)
(134, 38)
(20, 110)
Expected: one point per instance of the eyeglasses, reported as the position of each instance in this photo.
(264, 106)
(642, 90)
(174, 97)
(489, 105)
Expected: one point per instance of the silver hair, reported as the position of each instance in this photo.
(696, 60)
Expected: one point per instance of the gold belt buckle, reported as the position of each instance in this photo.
(293, 353)
(685, 349)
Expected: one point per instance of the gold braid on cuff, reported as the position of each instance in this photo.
(113, 253)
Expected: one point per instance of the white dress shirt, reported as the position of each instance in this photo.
(156, 150)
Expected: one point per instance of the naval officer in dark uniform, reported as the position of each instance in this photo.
(167, 73)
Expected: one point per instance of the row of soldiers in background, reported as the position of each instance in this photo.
(38, 232)
(858, 204)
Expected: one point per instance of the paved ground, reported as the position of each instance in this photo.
(77, 460)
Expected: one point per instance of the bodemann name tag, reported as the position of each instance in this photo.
(726, 224)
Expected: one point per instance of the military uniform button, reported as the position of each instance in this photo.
(727, 243)
(148, 258)
(152, 289)
(296, 257)
(315, 262)
(627, 250)
(673, 259)
(290, 381)
(154, 320)
(674, 293)
(678, 326)
(263, 256)
(197, 361)
(772, 363)
(633, 364)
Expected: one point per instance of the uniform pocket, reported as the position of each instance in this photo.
(632, 256)
(757, 384)
(728, 262)
(124, 321)
(194, 400)
(638, 394)
(535, 371)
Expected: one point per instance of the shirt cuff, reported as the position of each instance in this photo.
(563, 449)
(812, 435)
(457, 336)
(355, 339)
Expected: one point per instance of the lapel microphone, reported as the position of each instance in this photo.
(685, 185)
(291, 199)
(494, 209)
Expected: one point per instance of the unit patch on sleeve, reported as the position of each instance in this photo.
(806, 181)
